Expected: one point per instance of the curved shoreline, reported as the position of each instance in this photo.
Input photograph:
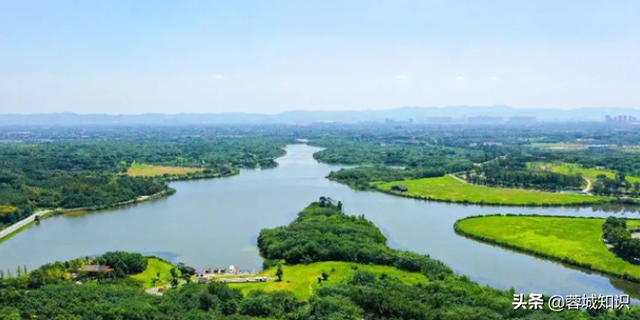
(498, 204)
(44, 214)
(535, 253)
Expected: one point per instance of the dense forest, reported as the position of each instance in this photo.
(321, 231)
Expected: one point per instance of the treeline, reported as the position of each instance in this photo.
(512, 172)
(360, 178)
(618, 186)
(405, 153)
(616, 233)
(122, 265)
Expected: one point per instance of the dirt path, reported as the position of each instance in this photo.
(458, 178)
(588, 188)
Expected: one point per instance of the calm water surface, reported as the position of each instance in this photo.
(215, 223)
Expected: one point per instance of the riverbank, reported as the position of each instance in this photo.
(29, 221)
(449, 189)
(576, 241)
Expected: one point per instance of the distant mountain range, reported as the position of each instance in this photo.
(415, 114)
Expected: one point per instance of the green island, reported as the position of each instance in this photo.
(450, 189)
(328, 265)
(571, 240)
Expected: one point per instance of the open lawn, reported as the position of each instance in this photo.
(147, 170)
(633, 224)
(155, 265)
(302, 279)
(448, 188)
(573, 168)
(576, 241)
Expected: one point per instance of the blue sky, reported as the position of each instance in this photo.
(270, 56)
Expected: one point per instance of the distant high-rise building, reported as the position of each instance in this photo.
(620, 119)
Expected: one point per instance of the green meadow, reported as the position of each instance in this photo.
(154, 267)
(147, 170)
(448, 188)
(302, 279)
(574, 168)
(576, 241)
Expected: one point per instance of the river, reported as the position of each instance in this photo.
(215, 223)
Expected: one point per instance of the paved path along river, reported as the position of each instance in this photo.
(216, 223)
(8, 231)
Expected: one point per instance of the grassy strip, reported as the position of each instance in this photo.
(155, 265)
(574, 241)
(448, 189)
(148, 170)
(302, 279)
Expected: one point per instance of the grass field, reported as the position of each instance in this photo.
(147, 170)
(302, 279)
(633, 224)
(448, 188)
(558, 238)
(573, 168)
(155, 265)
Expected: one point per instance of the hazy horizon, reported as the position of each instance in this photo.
(122, 57)
(318, 110)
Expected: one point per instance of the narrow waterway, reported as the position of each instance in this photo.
(216, 222)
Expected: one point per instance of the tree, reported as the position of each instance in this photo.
(279, 272)
(186, 277)
(325, 275)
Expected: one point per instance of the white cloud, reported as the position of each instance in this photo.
(459, 78)
(402, 77)
(494, 79)
(216, 76)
